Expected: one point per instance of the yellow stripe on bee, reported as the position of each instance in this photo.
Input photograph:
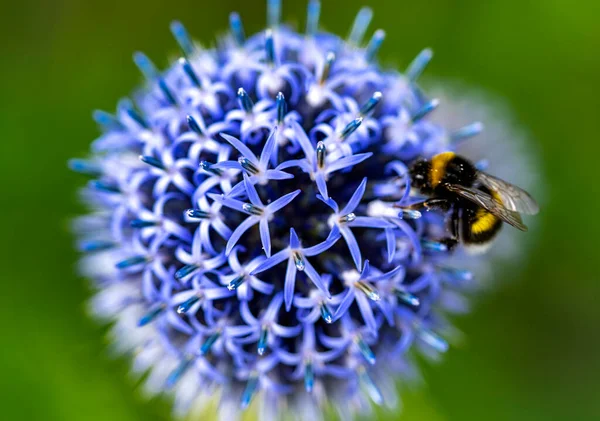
(438, 167)
(484, 221)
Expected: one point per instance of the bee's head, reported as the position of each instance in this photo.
(419, 175)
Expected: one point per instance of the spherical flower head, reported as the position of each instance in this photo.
(248, 237)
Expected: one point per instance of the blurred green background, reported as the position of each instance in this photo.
(533, 345)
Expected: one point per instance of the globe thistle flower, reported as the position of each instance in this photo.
(245, 236)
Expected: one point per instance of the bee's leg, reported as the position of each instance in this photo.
(430, 204)
(454, 224)
(454, 228)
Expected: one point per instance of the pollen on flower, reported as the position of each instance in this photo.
(246, 234)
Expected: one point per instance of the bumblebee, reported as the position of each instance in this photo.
(479, 202)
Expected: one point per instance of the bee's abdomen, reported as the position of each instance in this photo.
(480, 226)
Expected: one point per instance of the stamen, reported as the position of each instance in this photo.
(194, 126)
(468, 131)
(409, 214)
(273, 13)
(299, 261)
(433, 339)
(190, 73)
(251, 209)
(208, 167)
(312, 17)
(249, 391)
(482, 164)
(151, 315)
(145, 65)
(95, 245)
(166, 92)
(365, 349)
(329, 59)
(370, 386)
(262, 341)
(368, 290)
(187, 304)
(457, 274)
(309, 377)
(106, 120)
(269, 47)
(416, 67)
(407, 298)
(236, 282)
(244, 100)
(281, 108)
(326, 314)
(178, 372)
(321, 155)
(426, 109)
(374, 45)
(210, 341)
(185, 271)
(348, 218)
(83, 166)
(435, 246)
(131, 261)
(361, 23)
(140, 223)
(237, 29)
(104, 187)
(350, 128)
(137, 117)
(197, 214)
(370, 105)
(150, 160)
(248, 165)
(182, 37)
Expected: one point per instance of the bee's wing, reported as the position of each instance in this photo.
(490, 204)
(513, 197)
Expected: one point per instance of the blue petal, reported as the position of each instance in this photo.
(370, 222)
(252, 193)
(227, 201)
(304, 141)
(278, 175)
(239, 231)
(329, 202)
(332, 238)
(356, 197)
(271, 261)
(390, 239)
(347, 161)
(352, 246)
(290, 282)
(273, 308)
(345, 304)
(322, 185)
(282, 201)
(268, 150)
(243, 149)
(294, 240)
(316, 278)
(265, 237)
(364, 305)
